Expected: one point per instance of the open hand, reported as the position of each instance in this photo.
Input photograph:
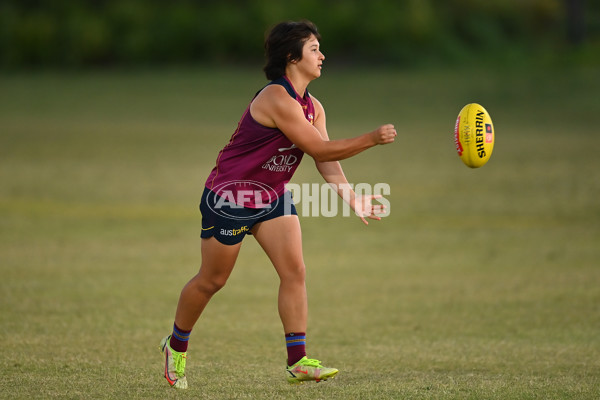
(364, 208)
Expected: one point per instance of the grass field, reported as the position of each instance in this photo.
(481, 284)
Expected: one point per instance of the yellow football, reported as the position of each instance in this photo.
(474, 135)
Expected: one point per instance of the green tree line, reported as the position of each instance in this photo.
(62, 33)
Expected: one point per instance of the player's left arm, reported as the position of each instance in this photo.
(333, 174)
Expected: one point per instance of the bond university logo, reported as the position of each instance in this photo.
(281, 162)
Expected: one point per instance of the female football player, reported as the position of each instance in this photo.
(245, 195)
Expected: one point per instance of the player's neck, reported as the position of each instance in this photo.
(299, 82)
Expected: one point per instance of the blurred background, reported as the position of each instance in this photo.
(73, 34)
(480, 283)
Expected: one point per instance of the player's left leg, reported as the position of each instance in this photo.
(281, 239)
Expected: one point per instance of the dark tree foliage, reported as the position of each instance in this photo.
(64, 33)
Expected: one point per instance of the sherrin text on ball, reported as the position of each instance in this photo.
(474, 135)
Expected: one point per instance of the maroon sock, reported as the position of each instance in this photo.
(296, 346)
(179, 339)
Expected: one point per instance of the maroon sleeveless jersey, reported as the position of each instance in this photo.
(253, 168)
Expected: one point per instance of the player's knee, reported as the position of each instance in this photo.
(294, 272)
(211, 285)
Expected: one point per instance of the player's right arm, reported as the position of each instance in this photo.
(275, 108)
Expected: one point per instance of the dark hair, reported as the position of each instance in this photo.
(284, 44)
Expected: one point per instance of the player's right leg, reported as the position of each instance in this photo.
(218, 260)
(217, 263)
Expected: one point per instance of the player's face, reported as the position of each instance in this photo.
(312, 58)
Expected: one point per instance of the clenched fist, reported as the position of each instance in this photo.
(384, 134)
